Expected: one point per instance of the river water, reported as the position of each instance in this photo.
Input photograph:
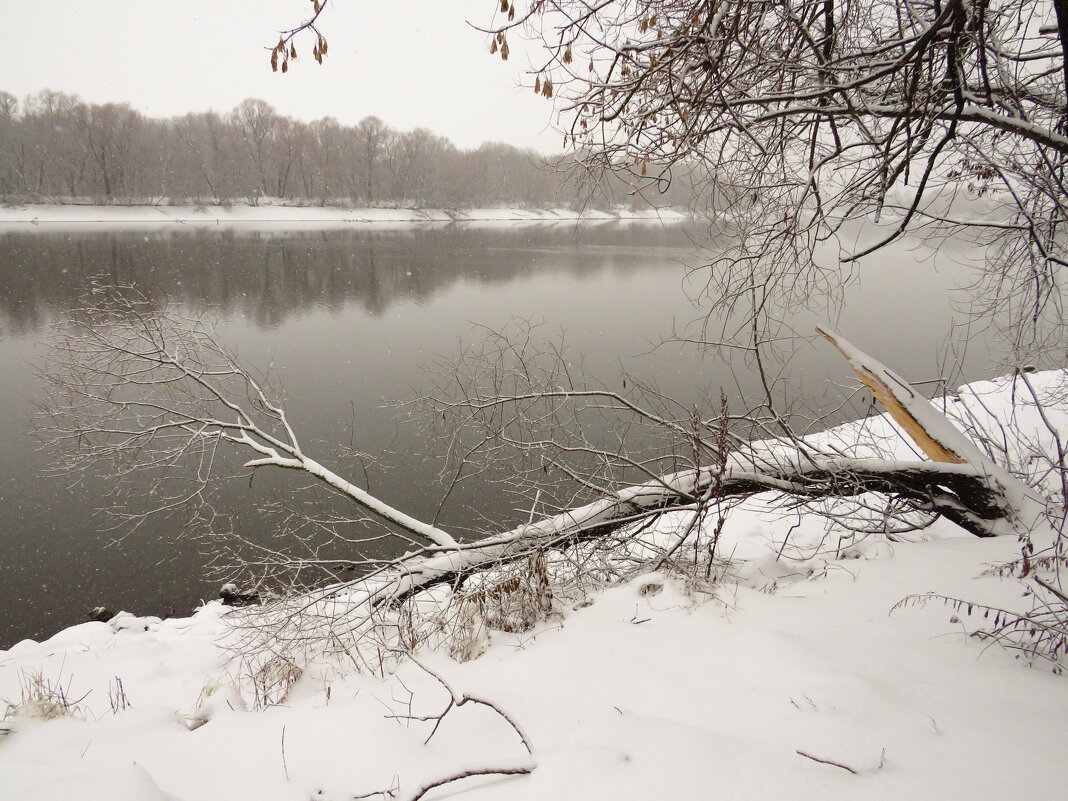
(348, 320)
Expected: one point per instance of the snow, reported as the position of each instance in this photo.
(658, 689)
(275, 216)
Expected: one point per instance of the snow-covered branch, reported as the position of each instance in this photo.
(960, 483)
(148, 395)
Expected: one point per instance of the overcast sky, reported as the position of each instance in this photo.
(411, 62)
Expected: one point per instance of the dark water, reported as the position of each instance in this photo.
(348, 320)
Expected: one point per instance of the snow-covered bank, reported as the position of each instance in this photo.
(656, 690)
(638, 696)
(273, 215)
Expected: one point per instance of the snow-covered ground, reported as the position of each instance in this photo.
(655, 690)
(275, 215)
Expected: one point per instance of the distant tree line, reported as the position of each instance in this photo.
(54, 145)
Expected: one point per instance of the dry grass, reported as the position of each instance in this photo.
(513, 603)
(273, 680)
(41, 698)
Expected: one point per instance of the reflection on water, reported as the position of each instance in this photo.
(348, 320)
(270, 278)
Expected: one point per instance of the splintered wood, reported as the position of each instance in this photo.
(936, 451)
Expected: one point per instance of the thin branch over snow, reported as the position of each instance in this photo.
(514, 767)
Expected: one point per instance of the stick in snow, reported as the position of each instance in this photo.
(827, 762)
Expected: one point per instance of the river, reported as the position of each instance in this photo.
(348, 320)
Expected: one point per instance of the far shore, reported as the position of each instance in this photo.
(23, 215)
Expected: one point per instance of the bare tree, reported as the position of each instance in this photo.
(319, 167)
(150, 397)
(811, 114)
(368, 143)
(52, 155)
(206, 146)
(109, 132)
(807, 118)
(256, 121)
(413, 158)
(9, 176)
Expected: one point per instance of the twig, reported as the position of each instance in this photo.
(284, 766)
(827, 762)
(517, 769)
(458, 700)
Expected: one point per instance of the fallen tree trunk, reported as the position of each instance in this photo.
(960, 483)
(140, 391)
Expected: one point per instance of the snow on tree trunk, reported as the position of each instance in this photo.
(960, 482)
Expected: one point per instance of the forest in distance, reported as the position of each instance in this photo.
(55, 146)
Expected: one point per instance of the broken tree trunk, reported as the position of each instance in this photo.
(960, 483)
(1019, 508)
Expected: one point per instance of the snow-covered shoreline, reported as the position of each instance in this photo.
(794, 681)
(644, 694)
(59, 216)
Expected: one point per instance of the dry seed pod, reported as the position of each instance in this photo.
(511, 13)
(322, 46)
(567, 55)
(537, 85)
(292, 51)
(285, 65)
(493, 47)
(504, 5)
(274, 61)
(504, 51)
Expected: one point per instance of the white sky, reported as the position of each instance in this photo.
(411, 62)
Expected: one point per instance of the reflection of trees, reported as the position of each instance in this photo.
(269, 277)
